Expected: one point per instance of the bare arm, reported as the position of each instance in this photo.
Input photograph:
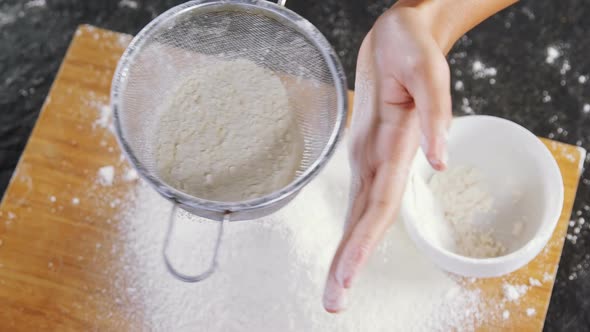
(452, 19)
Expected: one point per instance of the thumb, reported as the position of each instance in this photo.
(429, 85)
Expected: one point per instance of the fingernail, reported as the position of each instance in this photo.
(334, 297)
(438, 157)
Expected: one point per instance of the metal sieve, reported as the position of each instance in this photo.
(191, 34)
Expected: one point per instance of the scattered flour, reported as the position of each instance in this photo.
(481, 71)
(124, 40)
(505, 314)
(272, 271)
(128, 4)
(531, 312)
(106, 175)
(52, 199)
(534, 282)
(586, 108)
(130, 175)
(582, 79)
(552, 54)
(459, 86)
(465, 107)
(35, 3)
(460, 195)
(228, 133)
(6, 18)
(75, 201)
(104, 119)
(565, 67)
(513, 292)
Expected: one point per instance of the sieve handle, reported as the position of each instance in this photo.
(212, 267)
(281, 3)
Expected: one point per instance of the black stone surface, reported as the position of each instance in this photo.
(547, 98)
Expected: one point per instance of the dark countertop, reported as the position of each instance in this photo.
(514, 77)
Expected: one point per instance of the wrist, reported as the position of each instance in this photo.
(448, 20)
(435, 19)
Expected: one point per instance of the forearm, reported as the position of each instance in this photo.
(450, 19)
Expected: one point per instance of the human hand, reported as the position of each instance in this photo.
(402, 101)
(402, 98)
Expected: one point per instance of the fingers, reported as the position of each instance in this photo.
(335, 294)
(363, 234)
(374, 207)
(383, 194)
(429, 85)
(367, 232)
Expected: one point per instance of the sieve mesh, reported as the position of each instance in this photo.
(199, 32)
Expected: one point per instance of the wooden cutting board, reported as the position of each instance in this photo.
(58, 228)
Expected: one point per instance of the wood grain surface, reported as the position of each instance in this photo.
(58, 255)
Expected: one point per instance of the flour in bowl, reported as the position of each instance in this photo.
(227, 133)
(448, 207)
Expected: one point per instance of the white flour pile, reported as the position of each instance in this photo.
(448, 208)
(272, 271)
(227, 133)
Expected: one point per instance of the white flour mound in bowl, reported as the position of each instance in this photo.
(448, 208)
(463, 196)
(227, 133)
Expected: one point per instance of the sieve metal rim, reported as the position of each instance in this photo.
(274, 11)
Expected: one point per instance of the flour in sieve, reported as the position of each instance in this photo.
(227, 133)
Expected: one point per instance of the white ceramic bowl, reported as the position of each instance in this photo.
(513, 162)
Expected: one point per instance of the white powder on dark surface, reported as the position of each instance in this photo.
(465, 107)
(546, 97)
(228, 133)
(128, 4)
(272, 271)
(552, 54)
(35, 4)
(482, 71)
(565, 67)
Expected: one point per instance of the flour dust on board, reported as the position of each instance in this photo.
(272, 271)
